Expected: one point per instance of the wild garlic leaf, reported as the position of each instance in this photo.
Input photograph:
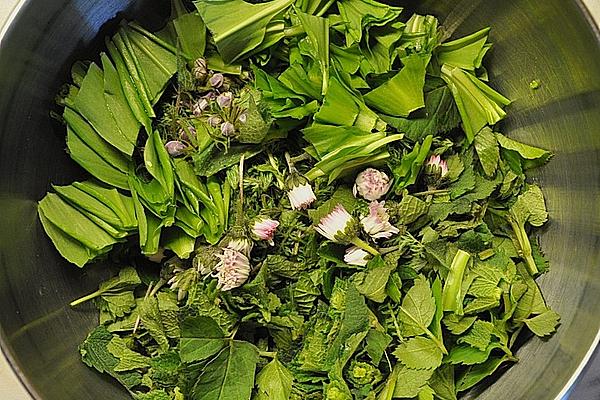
(239, 27)
(317, 29)
(477, 373)
(488, 150)
(359, 16)
(274, 382)
(479, 105)
(467, 52)
(526, 151)
(418, 308)
(403, 93)
(407, 170)
(439, 116)
(230, 375)
(419, 353)
(201, 338)
(185, 30)
(410, 381)
(543, 324)
(453, 293)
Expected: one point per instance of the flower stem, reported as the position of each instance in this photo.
(269, 354)
(364, 245)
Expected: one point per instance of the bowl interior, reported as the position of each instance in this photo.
(550, 41)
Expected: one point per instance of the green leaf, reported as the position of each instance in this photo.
(151, 319)
(407, 171)
(179, 241)
(359, 16)
(95, 354)
(477, 373)
(372, 283)
(75, 224)
(376, 344)
(479, 105)
(442, 383)
(403, 93)
(185, 31)
(419, 353)
(458, 325)
(409, 209)
(543, 324)
(418, 308)
(488, 151)
(468, 355)
(526, 151)
(230, 375)
(128, 359)
(274, 382)
(479, 336)
(257, 124)
(239, 27)
(409, 381)
(91, 104)
(317, 29)
(201, 338)
(439, 116)
(467, 52)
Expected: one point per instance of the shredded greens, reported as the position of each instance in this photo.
(303, 199)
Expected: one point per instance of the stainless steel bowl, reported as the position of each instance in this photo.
(552, 41)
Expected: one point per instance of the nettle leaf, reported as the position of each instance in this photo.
(543, 324)
(488, 150)
(239, 27)
(419, 353)
(376, 344)
(274, 382)
(443, 384)
(408, 210)
(372, 283)
(530, 207)
(418, 308)
(128, 359)
(409, 382)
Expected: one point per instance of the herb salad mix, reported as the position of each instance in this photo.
(305, 200)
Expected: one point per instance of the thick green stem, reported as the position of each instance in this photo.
(295, 30)
(452, 293)
(269, 354)
(364, 245)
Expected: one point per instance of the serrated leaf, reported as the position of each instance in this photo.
(409, 381)
(419, 353)
(458, 325)
(376, 343)
(479, 335)
(128, 359)
(418, 308)
(543, 324)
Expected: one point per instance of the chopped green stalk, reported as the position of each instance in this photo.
(365, 246)
(452, 293)
(524, 245)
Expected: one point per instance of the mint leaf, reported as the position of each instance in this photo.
(128, 359)
(274, 382)
(419, 353)
(409, 382)
(418, 308)
(479, 336)
(543, 324)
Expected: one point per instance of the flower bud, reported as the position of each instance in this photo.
(214, 120)
(232, 270)
(356, 256)
(264, 229)
(377, 223)
(184, 133)
(372, 184)
(225, 99)
(175, 148)
(227, 129)
(216, 80)
(243, 117)
(200, 69)
(338, 226)
(199, 106)
(436, 170)
(300, 192)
